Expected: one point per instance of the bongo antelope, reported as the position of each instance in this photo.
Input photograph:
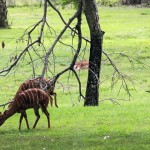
(32, 98)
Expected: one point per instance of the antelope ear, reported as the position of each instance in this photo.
(0, 113)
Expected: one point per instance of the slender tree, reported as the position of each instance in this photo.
(96, 38)
(3, 14)
(96, 35)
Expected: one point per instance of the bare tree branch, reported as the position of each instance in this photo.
(7, 70)
(78, 28)
(43, 20)
(33, 68)
(63, 20)
(121, 76)
(78, 12)
(113, 100)
(79, 82)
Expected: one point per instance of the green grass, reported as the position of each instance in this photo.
(127, 125)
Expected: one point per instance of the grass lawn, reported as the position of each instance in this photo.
(108, 126)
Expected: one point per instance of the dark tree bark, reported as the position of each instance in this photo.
(96, 35)
(3, 14)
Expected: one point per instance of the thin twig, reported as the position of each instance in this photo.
(113, 100)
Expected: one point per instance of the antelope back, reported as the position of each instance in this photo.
(34, 83)
(27, 85)
(30, 98)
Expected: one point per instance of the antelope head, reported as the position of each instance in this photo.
(3, 117)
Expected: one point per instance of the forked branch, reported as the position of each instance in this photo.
(78, 12)
(70, 67)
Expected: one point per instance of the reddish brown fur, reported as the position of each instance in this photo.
(38, 83)
(84, 64)
(31, 98)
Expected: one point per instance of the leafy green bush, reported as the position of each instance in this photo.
(108, 2)
(11, 3)
(68, 2)
(14, 3)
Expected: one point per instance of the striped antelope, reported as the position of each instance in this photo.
(31, 98)
(40, 83)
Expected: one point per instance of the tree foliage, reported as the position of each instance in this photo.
(67, 2)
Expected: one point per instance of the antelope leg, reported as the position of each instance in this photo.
(36, 111)
(20, 121)
(55, 99)
(26, 119)
(44, 109)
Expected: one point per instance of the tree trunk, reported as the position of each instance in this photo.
(96, 35)
(3, 14)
